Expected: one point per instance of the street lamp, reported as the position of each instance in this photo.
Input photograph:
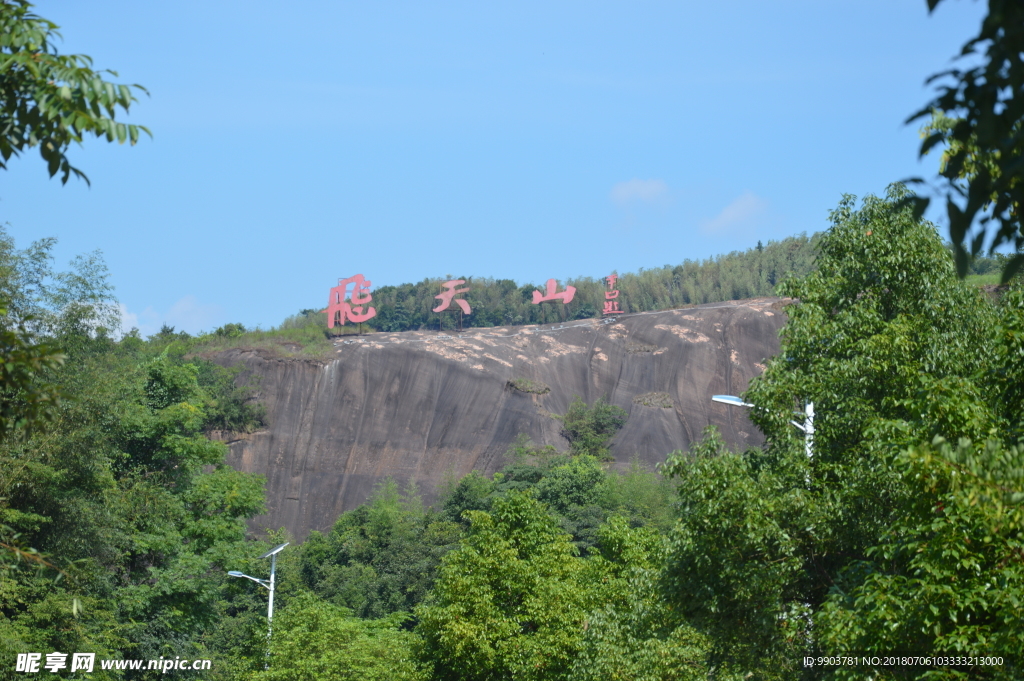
(808, 429)
(807, 426)
(267, 584)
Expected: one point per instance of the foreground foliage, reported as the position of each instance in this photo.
(887, 539)
(119, 515)
(980, 118)
(49, 100)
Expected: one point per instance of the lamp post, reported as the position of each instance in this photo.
(808, 430)
(807, 426)
(268, 584)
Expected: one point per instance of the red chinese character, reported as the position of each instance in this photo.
(611, 295)
(446, 296)
(611, 279)
(565, 296)
(338, 309)
(611, 307)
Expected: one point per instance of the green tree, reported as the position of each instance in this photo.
(580, 491)
(509, 603)
(476, 492)
(41, 310)
(981, 113)
(123, 496)
(885, 341)
(115, 494)
(380, 558)
(27, 400)
(645, 497)
(46, 100)
(49, 100)
(948, 575)
(314, 640)
(632, 634)
(736, 563)
(588, 428)
(572, 491)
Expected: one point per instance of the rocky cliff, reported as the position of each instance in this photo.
(420, 405)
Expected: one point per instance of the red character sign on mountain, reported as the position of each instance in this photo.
(339, 309)
(446, 296)
(565, 296)
(611, 306)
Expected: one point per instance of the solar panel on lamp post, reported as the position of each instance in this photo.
(268, 584)
(807, 426)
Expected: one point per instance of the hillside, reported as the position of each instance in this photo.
(421, 406)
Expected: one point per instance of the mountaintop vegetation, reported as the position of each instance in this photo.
(407, 307)
(739, 275)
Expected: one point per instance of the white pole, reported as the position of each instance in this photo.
(270, 608)
(270, 604)
(269, 586)
(808, 430)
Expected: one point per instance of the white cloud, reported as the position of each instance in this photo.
(747, 208)
(638, 190)
(129, 320)
(147, 321)
(187, 314)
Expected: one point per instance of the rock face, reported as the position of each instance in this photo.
(423, 406)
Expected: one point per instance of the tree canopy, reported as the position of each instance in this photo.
(981, 119)
(49, 100)
(892, 534)
(122, 495)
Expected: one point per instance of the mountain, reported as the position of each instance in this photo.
(423, 406)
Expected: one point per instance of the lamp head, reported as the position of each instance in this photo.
(275, 550)
(730, 400)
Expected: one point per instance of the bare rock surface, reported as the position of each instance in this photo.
(422, 405)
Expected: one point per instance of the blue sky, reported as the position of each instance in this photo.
(296, 144)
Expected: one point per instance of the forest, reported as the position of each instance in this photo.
(902, 533)
(735, 276)
(738, 275)
(896, 532)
